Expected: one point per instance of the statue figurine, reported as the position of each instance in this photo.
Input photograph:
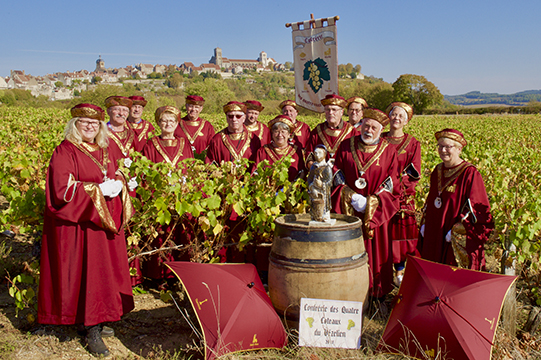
(319, 185)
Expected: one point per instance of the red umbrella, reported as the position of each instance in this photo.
(445, 311)
(232, 307)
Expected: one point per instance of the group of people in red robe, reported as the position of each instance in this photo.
(85, 276)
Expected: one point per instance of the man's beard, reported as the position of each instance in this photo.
(369, 139)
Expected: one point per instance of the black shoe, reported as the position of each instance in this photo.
(106, 331)
(95, 343)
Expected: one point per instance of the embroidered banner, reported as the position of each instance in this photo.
(316, 61)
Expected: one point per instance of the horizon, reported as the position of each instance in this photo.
(435, 40)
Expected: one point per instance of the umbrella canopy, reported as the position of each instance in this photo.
(446, 311)
(232, 307)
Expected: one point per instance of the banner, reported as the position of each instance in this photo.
(316, 61)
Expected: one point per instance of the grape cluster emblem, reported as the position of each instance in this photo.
(316, 72)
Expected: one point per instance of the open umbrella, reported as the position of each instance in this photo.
(232, 307)
(445, 312)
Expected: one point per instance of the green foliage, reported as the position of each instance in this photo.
(215, 92)
(417, 91)
(202, 198)
(23, 289)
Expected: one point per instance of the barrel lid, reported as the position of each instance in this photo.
(302, 221)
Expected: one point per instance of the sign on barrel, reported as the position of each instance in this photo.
(330, 323)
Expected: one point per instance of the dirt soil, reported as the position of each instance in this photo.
(156, 329)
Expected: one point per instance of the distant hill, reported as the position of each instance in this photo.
(478, 98)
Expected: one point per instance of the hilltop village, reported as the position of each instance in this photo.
(66, 85)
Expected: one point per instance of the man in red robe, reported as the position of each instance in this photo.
(235, 141)
(253, 109)
(231, 144)
(368, 190)
(122, 142)
(354, 107)
(84, 276)
(457, 204)
(197, 131)
(333, 131)
(301, 132)
(143, 129)
(122, 137)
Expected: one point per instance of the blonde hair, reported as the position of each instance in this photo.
(72, 134)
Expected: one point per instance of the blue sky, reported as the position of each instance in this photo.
(460, 46)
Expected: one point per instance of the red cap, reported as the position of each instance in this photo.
(118, 101)
(195, 100)
(234, 106)
(333, 99)
(138, 100)
(90, 111)
(253, 105)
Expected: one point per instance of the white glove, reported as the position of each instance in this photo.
(448, 236)
(422, 231)
(358, 202)
(111, 187)
(127, 162)
(132, 184)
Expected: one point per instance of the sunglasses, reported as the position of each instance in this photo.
(236, 116)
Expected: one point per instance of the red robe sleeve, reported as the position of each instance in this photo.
(73, 192)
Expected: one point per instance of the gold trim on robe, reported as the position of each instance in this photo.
(243, 136)
(117, 137)
(255, 128)
(372, 203)
(142, 125)
(276, 154)
(197, 133)
(71, 182)
(345, 131)
(179, 143)
(107, 222)
(452, 174)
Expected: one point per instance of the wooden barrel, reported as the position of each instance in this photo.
(320, 262)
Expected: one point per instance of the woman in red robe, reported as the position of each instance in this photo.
(84, 276)
(171, 149)
(301, 131)
(279, 147)
(403, 226)
(457, 200)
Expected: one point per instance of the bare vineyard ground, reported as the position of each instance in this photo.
(156, 330)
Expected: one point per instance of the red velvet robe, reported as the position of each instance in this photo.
(261, 131)
(458, 184)
(199, 133)
(403, 226)
(143, 131)
(301, 134)
(223, 148)
(268, 152)
(84, 264)
(331, 138)
(376, 227)
(172, 152)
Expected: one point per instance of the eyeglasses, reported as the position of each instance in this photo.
(84, 123)
(168, 121)
(446, 147)
(235, 116)
(355, 110)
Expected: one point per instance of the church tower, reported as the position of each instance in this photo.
(263, 59)
(100, 65)
(217, 58)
